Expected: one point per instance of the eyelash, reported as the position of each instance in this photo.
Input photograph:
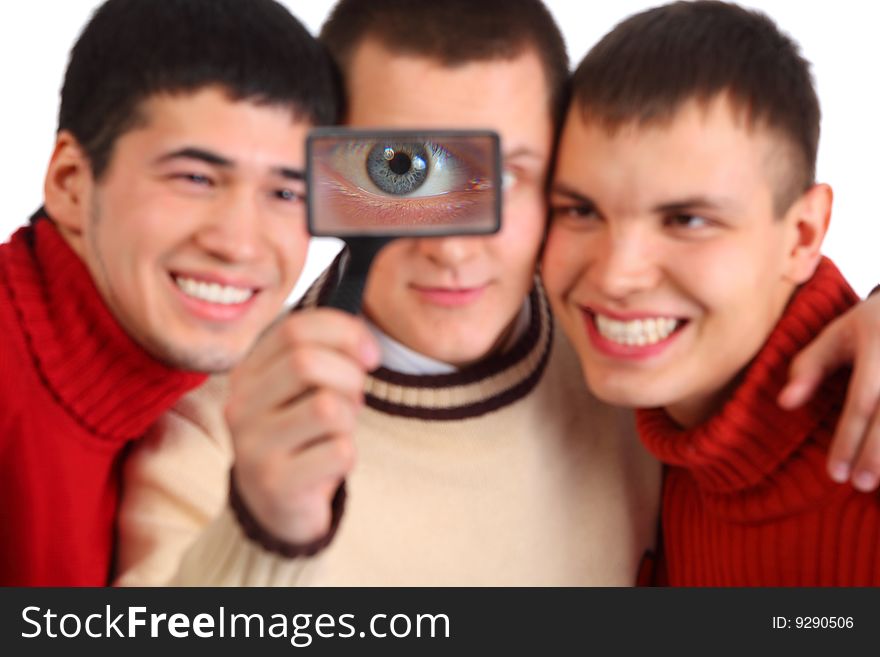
(286, 195)
(351, 195)
(289, 195)
(574, 212)
(194, 178)
(673, 221)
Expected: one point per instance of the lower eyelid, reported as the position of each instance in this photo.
(377, 211)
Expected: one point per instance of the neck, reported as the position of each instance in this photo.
(693, 412)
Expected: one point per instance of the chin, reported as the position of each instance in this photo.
(628, 394)
(455, 355)
(204, 359)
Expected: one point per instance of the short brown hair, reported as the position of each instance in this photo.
(655, 61)
(454, 32)
(134, 49)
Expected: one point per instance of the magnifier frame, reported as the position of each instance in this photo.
(341, 133)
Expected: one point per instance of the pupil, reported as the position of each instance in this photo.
(398, 168)
(400, 163)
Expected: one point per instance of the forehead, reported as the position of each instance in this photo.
(399, 90)
(702, 149)
(208, 118)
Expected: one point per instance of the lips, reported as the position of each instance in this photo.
(450, 297)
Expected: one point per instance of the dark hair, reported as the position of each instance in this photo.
(133, 49)
(454, 32)
(653, 62)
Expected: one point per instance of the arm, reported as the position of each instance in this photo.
(174, 484)
(291, 413)
(853, 338)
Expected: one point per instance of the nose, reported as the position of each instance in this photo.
(449, 252)
(232, 231)
(625, 262)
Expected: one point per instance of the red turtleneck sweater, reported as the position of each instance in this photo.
(74, 391)
(746, 500)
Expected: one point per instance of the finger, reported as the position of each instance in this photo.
(319, 464)
(326, 327)
(292, 500)
(312, 517)
(866, 471)
(824, 355)
(862, 399)
(294, 373)
(277, 435)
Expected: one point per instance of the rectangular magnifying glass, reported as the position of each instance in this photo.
(411, 183)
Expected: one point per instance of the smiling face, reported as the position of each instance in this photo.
(453, 298)
(196, 232)
(666, 263)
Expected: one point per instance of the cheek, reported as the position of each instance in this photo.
(562, 261)
(730, 278)
(117, 243)
(143, 219)
(522, 232)
(384, 278)
(291, 247)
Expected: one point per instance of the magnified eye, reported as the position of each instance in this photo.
(409, 169)
(398, 168)
(402, 185)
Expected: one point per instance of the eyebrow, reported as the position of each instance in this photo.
(191, 153)
(671, 207)
(290, 174)
(691, 203)
(564, 190)
(522, 151)
(214, 159)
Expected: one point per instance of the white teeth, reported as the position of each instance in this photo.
(213, 292)
(638, 332)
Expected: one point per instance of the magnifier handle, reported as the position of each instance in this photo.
(348, 295)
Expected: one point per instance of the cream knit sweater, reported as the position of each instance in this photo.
(505, 473)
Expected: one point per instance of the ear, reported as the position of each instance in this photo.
(809, 218)
(67, 188)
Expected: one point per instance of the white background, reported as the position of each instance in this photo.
(840, 38)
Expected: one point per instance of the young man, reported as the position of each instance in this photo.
(481, 460)
(171, 233)
(684, 263)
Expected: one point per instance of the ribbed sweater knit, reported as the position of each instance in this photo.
(74, 391)
(747, 501)
(507, 472)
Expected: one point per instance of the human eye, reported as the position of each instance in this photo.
(576, 213)
(190, 181)
(413, 182)
(289, 195)
(687, 222)
(573, 211)
(198, 179)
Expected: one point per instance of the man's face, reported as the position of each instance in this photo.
(195, 235)
(453, 298)
(665, 263)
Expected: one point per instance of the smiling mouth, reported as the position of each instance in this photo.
(641, 332)
(225, 295)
